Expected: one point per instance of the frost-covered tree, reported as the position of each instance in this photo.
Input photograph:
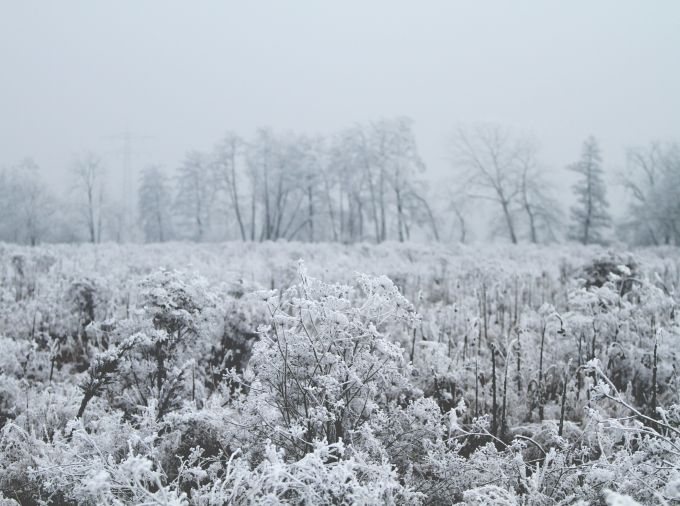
(495, 164)
(652, 181)
(155, 200)
(26, 205)
(284, 170)
(88, 172)
(542, 213)
(266, 177)
(589, 215)
(487, 156)
(374, 171)
(486, 153)
(227, 153)
(196, 190)
(311, 168)
(346, 188)
(399, 163)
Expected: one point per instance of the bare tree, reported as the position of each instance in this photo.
(312, 167)
(348, 171)
(460, 217)
(115, 221)
(400, 163)
(589, 215)
(374, 175)
(261, 163)
(487, 158)
(542, 212)
(88, 171)
(374, 169)
(26, 205)
(196, 191)
(302, 163)
(454, 211)
(227, 152)
(652, 181)
(286, 175)
(155, 198)
(418, 193)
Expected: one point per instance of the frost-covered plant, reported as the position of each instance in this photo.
(171, 330)
(102, 370)
(316, 478)
(522, 380)
(322, 366)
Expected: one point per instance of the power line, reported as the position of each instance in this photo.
(127, 151)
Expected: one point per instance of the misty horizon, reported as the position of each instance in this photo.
(77, 74)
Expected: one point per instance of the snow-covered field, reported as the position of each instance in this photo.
(394, 374)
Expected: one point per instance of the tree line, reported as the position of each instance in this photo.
(365, 183)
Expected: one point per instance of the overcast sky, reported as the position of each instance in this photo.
(73, 73)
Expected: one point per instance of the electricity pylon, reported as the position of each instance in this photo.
(128, 188)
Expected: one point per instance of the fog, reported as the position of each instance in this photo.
(181, 73)
(173, 76)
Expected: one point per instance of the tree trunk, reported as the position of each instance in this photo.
(509, 222)
(234, 192)
(383, 231)
(267, 211)
(310, 213)
(400, 218)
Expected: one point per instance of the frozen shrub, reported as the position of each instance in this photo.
(600, 270)
(240, 320)
(489, 495)
(322, 366)
(317, 478)
(171, 329)
(102, 371)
